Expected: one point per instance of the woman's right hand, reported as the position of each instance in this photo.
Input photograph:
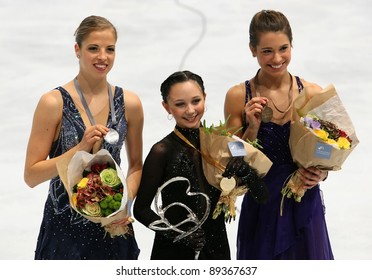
(93, 137)
(253, 109)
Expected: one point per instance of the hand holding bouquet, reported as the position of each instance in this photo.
(216, 156)
(322, 135)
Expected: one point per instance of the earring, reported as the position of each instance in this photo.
(205, 108)
(170, 116)
(78, 56)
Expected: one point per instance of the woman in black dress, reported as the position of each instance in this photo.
(177, 158)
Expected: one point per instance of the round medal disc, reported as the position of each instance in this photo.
(112, 137)
(266, 114)
(227, 184)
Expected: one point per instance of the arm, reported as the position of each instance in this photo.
(233, 108)
(133, 142)
(151, 180)
(45, 128)
(37, 168)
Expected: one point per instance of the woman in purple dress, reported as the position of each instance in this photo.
(263, 106)
(78, 117)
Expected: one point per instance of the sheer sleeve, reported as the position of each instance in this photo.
(152, 178)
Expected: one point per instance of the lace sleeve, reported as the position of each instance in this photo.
(152, 176)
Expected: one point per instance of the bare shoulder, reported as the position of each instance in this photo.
(48, 112)
(235, 95)
(51, 101)
(236, 91)
(311, 86)
(133, 106)
(234, 104)
(132, 100)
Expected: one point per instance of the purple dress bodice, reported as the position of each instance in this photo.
(300, 232)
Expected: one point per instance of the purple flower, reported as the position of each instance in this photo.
(311, 122)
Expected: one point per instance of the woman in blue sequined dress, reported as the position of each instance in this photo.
(62, 126)
(262, 106)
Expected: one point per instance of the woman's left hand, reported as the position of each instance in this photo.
(311, 176)
(126, 221)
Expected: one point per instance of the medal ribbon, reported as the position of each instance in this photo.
(207, 157)
(86, 107)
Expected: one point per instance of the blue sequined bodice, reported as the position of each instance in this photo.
(71, 133)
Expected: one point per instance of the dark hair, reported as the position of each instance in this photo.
(90, 24)
(268, 21)
(179, 77)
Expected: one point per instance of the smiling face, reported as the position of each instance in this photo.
(186, 102)
(97, 52)
(273, 52)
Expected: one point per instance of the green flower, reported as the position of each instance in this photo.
(117, 205)
(118, 197)
(92, 209)
(110, 177)
(103, 204)
(106, 212)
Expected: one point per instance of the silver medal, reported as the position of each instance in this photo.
(112, 137)
(266, 114)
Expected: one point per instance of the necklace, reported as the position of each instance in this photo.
(267, 112)
(112, 136)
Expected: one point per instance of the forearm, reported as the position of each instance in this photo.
(142, 205)
(43, 170)
(133, 180)
(250, 134)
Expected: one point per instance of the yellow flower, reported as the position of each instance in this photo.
(74, 199)
(331, 142)
(343, 143)
(321, 134)
(83, 183)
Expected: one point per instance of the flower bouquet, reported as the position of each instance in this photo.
(322, 135)
(97, 189)
(216, 154)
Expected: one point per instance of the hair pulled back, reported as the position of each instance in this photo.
(179, 77)
(90, 24)
(268, 21)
